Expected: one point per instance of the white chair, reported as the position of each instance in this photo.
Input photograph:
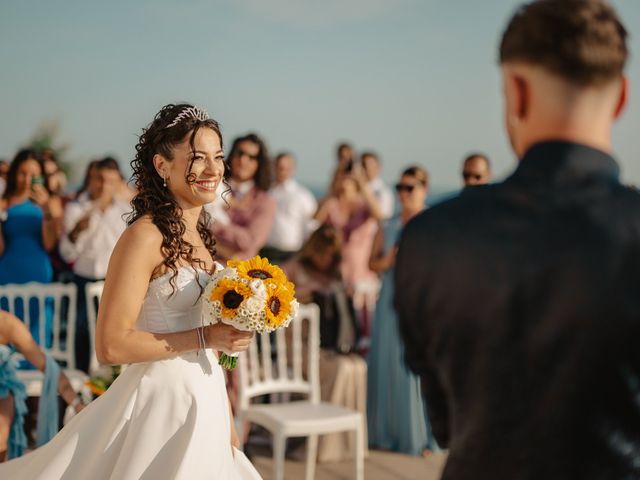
(62, 350)
(308, 418)
(93, 293)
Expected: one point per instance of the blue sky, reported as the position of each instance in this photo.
(415, 80)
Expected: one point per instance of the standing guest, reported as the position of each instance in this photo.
(167, 415)
(519, 304)
(355, 212)
(345, 159)
(371, 164)
(395, 410)
(56, 182)
(87, 177)
(343, 375)
(4, 169)
(30, 227)
(14, 336)
(251, 210)
(92, 225)
(123, 192)
(476, 170)
(56, 179)
(294, 212)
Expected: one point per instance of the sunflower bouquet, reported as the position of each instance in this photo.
(250, 295)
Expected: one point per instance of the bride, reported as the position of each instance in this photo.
(167, 415)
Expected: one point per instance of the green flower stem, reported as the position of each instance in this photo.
(228, 362)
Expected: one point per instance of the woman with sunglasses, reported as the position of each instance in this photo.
(243, 231)
(396, 420)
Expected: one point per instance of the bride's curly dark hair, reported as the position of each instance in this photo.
(155, 200)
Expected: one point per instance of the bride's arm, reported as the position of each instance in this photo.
(132, 263)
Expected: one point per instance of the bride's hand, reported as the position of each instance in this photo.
(226, 338)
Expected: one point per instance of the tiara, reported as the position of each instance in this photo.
(189, 112)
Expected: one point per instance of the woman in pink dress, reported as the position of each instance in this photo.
(354, 211)
(251, 210)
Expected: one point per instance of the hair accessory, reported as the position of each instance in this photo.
(189, 112)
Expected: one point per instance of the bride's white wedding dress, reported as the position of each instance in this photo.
(167, 419)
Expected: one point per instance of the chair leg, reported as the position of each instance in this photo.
(312, 453)
(278, 455)
(359, 456)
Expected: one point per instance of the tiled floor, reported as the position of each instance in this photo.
(379, 465)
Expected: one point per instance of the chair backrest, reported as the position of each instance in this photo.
(260, 376)
(55, 301)
(93, 293)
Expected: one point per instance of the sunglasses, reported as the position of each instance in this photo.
(403, 187)
(471, 176)
(240, 153)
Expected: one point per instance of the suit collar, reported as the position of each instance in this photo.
(563, 161)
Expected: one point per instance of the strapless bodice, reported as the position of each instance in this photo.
(165, 310)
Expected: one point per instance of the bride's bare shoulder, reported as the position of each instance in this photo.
(141, 236)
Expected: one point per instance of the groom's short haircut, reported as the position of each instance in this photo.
(582, 41)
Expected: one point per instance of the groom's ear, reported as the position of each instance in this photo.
(623, 97)
(521, 95)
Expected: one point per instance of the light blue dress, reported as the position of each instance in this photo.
(395, 410)
(47, 423)
(10, 385)
(25, 258)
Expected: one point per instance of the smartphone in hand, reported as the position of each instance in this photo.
(38, 180)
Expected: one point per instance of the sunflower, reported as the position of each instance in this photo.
(278, 305)
(230, 293)
(258, 268)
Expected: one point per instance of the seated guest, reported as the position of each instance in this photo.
(316, 273)
(396, 413)
(14, 335)
(294, 212)
(93, 223)
(250, 212)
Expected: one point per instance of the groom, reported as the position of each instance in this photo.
(520, 302)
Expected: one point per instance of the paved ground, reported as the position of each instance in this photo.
(379, 465)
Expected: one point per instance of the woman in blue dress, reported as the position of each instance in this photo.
(395, 410)
(30, 226)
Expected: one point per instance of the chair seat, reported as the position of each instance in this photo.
(33, 379)
(303, 418)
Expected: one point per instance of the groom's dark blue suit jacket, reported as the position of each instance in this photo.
(519, 305)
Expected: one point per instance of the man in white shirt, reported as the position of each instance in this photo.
(384, 195)
(296, 206)
(92, 225)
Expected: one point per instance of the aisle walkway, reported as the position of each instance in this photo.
(380, 465)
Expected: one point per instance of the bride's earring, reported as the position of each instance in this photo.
(164, 181)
